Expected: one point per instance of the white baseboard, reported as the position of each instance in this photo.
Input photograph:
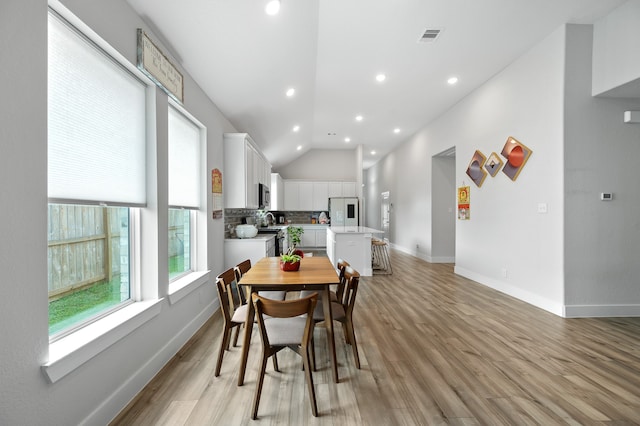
(124, 394)
(518, 293)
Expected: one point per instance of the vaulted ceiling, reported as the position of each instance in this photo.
(330, 52)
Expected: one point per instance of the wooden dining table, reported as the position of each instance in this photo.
(316, 273)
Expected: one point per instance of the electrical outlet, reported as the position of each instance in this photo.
(504, 272)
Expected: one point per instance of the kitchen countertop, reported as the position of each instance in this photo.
(263, 237)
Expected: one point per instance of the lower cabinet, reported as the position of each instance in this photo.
(238, 250)
(314, 236)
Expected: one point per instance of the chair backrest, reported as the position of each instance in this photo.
(340, 290)
(352, 279)
(285, 309)
(241, 269)
(228, 293)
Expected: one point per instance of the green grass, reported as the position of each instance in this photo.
(83, 304)
(88, 302)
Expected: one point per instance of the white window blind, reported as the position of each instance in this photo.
(96, 123)
(184, 161)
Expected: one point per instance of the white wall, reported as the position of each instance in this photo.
(580, 257)
(322, 164)
(601, 151)
(616, 62)
(505, 230)
(96, 391)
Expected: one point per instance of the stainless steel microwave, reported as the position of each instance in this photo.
(264, 196)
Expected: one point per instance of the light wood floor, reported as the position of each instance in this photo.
(435, 349)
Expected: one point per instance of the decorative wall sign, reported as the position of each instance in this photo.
(216, 189)
(493, 164)
(158, 68)
(464, 197)
(517, 155)
(475, 170)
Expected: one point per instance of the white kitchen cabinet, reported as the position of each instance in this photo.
(237, 250)
(305, 196)
(320, 199)
(291, 195)
(313, 236)
(335, 189)
(349, 189)
(277, 192)
(244, 168)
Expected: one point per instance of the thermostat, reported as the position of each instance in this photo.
(606, 196)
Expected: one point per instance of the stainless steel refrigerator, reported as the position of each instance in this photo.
(343, 211)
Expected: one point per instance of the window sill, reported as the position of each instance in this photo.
(72, 351)
(180, 288)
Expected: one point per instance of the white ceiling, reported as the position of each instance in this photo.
(331, 50)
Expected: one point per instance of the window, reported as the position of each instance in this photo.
(184, 190)
(96, 178)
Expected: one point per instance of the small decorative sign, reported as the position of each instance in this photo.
(216, 189)
(464, 203)
(158, 68)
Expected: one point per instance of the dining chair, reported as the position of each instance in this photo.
(241, 269)
(337, 295)
(290, 325)
(343, 311)
(234, 314)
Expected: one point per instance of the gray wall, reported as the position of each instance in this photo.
(322, 164)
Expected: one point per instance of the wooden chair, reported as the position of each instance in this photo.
(240, 269)
(343, 312)
(338, 294)
(233, 313)
(287, 326)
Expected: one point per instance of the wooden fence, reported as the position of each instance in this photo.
(84, 246)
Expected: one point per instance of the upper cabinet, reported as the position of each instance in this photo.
(277, 192)
(244, 168)
(314, 195)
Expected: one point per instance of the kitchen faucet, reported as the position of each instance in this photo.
(273, 218)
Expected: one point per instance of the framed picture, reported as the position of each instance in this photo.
(517, 155)
(493, 164)
(475, 170)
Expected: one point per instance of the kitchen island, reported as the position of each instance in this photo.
(353, 244)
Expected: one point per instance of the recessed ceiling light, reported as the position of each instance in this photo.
(273, 7)
(359, 118)
(299, 147)
(380, 78)
(296, 128)
(396, 130)
(452, 80)
(291, 92)
(373, 153)
(347, 140)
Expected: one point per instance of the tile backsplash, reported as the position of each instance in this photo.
(234, 217)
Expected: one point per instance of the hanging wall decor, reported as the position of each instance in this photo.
(464, 212)
(475, 170)
(493, 164)
(517, 155)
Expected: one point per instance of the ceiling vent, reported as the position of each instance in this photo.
(430, 35)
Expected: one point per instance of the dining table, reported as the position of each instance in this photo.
(316, 273)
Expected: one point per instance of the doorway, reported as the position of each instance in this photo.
(443, 206)
(385, 214)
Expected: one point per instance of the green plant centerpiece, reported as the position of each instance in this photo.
(290, 261)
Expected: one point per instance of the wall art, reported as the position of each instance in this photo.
(493, 164)
(517, 155)
(475, 170)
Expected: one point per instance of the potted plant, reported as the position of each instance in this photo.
(295, 236)
(290, 261)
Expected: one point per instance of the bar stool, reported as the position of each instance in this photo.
(380, 261)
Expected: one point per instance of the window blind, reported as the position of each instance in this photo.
(97, 121)
(184, 161)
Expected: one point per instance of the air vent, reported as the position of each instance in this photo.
(430, 35)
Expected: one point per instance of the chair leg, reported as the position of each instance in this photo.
(256, 400)
(235, 339)
(346, 333)
(352, 338)
(275, 362)
(309, 377)
(223, 346)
